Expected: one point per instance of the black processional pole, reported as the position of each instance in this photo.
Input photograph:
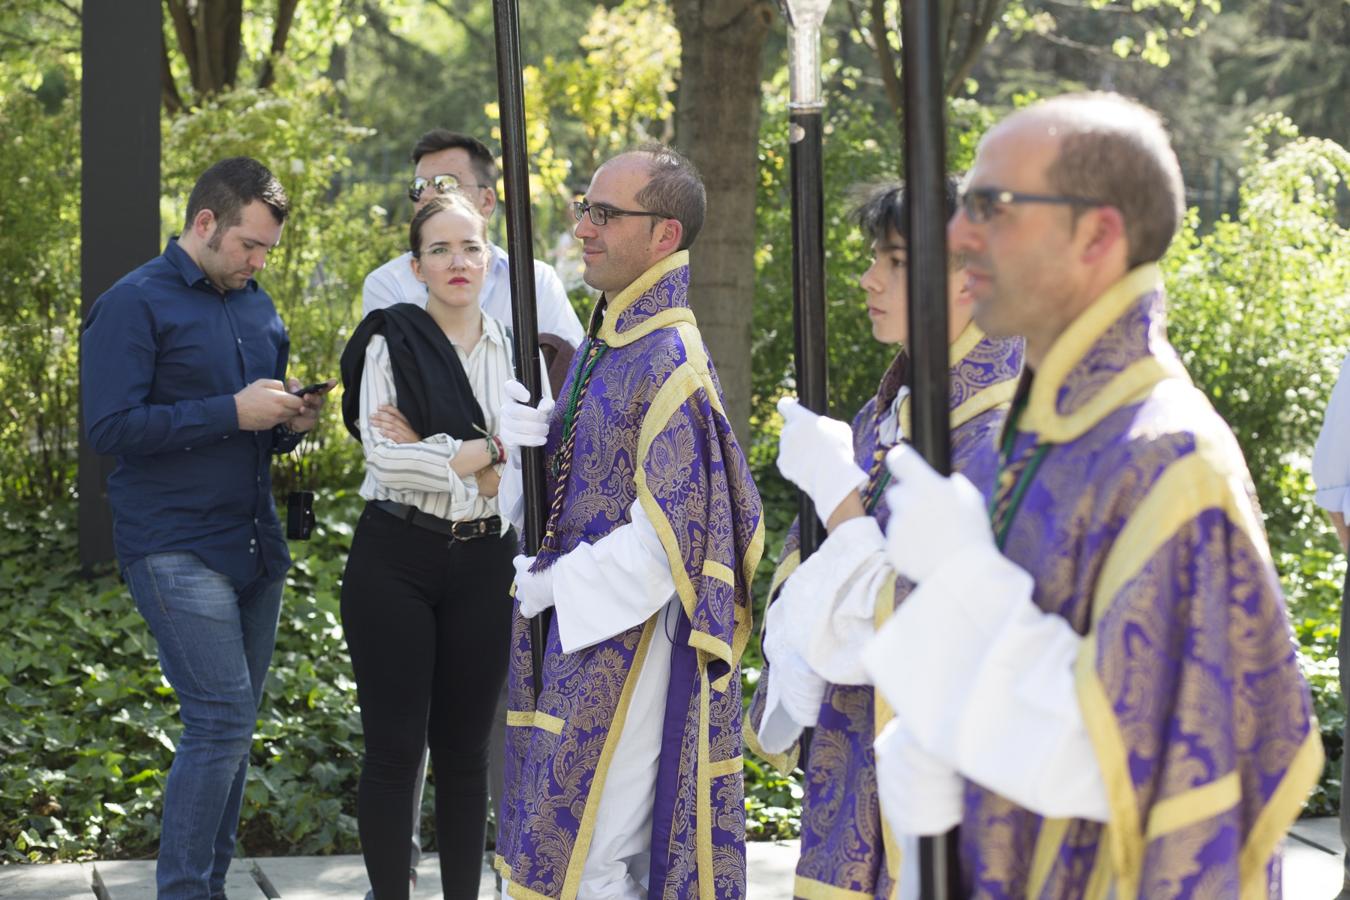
(520, 249)
(925, 170)
(806, 110)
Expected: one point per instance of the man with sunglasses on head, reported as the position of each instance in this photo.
(1101, 653)
(623, 777)
(444, 161)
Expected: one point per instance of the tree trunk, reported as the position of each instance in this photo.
(717, 127)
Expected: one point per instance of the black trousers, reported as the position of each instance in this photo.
(428, 624)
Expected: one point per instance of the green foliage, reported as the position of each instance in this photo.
(88, 726)
(39, 292)
(1261, 309)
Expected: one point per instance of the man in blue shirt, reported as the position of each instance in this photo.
(181, 371)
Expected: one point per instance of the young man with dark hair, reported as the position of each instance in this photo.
(624, 774)
(823, 611)
(443, 161)
(181, 371)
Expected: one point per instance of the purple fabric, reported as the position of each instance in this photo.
(696, 474)
(841, 816)
(1194, 651)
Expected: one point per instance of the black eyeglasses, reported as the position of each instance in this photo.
(442, 183)
(979, 203)
(602, 214)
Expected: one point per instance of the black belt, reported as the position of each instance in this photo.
(463, 530)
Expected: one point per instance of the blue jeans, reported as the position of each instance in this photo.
(215, 644)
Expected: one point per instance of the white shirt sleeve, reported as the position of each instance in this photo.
(983, 681)
(1331, 456)
(378, 291)
(421, 466)
(554, 311)
(605, 588)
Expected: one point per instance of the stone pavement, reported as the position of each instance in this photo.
(1311, 872)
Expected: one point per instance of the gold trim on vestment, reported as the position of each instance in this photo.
(531, 718)
(1048, 844)
(1195, 805)
(725, 767)
(1042, 415)
(720, 572)
(703, 802)
(1279, 813)
(1210, 478)
(586, 828)
(995, 395)
(882, 713)
(784, 571)
(804, 888)
(683, 383)
(644, 283)
(784, 762)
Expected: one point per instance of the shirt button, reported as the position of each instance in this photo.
(253, 540)
(252, 550)
(238, 340)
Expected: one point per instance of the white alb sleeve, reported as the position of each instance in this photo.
(827, 605)
(983, 681)
(605, 588)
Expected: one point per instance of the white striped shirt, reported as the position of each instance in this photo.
(419, 474)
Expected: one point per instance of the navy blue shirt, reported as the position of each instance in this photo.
(162, 355)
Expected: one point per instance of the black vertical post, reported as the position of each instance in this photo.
(925, 169)
(119, 195)
(524, 318)
(808, 283)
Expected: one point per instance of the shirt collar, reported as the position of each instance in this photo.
(494, 331)
(192, 273)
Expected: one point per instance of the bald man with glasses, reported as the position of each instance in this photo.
(624, 775)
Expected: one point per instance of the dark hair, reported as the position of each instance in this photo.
(438, 139)
(883, 206)
(230, 185)
(1116, 152)
(675, 189)
(440, 203)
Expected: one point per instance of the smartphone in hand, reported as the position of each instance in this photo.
(319, 387)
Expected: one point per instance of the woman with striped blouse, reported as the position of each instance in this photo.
(424, 596)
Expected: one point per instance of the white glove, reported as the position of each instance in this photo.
(816, 454)
(791, 703)
(534, 590)
(797, 687)
(933, 519)
(918, 793)
(522, 425)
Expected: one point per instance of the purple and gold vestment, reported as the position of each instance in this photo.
(650, 427)
(847, 853)
(1141, 528)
